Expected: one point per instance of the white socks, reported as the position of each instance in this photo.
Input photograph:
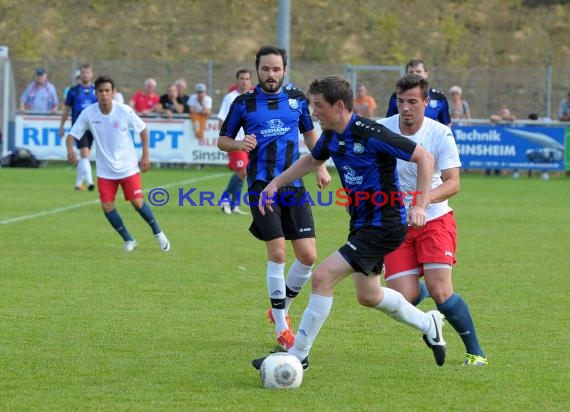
(397, 307)
(83, 172)
(297, 277)
(313, 319)
(276, 290)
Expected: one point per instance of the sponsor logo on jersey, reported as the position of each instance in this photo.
(274, 127)
(351, 177)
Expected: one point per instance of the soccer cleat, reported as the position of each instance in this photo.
(272, 319)
(286, 338)
(162, 241)
(130, 245)
(226, 208)
(436, 344)
(91, 187)
(236, 210)
(475, 360)
(79, 188)
(256, 363)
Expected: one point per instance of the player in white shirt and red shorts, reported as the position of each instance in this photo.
(116, 160)
(429, 251)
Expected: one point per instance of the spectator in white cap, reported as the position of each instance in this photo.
(40, 95)
(200, 105)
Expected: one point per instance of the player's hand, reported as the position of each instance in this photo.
(72, 157)
(417, 216)
(323, 177)
(266, 198)
(145, 163)
(249, 142)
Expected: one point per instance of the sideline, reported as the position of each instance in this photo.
(93, 202)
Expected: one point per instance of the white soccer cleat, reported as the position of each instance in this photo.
(434, 337)
(162, 241)
(226, 208)
(238, 211)
(130, 245)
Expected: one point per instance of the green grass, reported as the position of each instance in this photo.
(86, 326)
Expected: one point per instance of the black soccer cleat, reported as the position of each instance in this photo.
(436, 344)
(256, 363)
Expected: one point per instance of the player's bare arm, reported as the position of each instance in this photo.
(71, 155)
(448, 188)
(425, 162)
(227, 144)
(145, 158)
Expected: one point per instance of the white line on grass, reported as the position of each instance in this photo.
(92, 202)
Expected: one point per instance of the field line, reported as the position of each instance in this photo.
(93, 202)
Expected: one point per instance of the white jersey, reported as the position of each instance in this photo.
(116, 155)
(225, 109)
(437, 139)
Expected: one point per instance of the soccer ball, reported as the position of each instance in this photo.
(281, 371)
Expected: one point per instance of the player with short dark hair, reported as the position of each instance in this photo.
(364, 154)
(438, 107)
(430, 250)
(272, 117)
(116, 162)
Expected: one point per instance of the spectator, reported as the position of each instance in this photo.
(564, 109)
(182, 95)
(503, 115)
(364, 104)
(437, 109)
(40, 96)
(459, 108)
(77, 78)
(169, 103)
(144, 101)
(200, 105)
(118, 96)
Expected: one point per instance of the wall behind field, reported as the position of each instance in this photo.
(497, 51)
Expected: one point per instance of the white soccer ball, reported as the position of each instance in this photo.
(281, 371)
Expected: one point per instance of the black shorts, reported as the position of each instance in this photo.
(85, 141)
(366, 247)
(291, 217)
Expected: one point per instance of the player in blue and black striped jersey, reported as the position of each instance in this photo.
(437, 108)
(272, 116)
(364, 154)
(78, 98)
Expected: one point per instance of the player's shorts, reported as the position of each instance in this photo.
(434, 243)
(291, 218)
(366, 248)
(238, 160)
(132, 188)
(85, 141)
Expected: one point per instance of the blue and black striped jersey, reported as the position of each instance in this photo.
(78, 98)
(365, 157)
(437, 109)
(275, 120)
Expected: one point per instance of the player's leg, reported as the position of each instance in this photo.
(132, 190)
(107, 191)
(84, 172)
(455, 310)
(331, 271)
(300, 271)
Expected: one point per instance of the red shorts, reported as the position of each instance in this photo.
(238, 160)
(434, 243)
(132, 188)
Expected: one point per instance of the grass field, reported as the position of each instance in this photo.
(86, 326)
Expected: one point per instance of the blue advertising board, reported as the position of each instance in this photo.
(511, 147)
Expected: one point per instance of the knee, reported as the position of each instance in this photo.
(320, 281)
(107, 207)
(440, 293)
(367, 299)
(308, 257)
